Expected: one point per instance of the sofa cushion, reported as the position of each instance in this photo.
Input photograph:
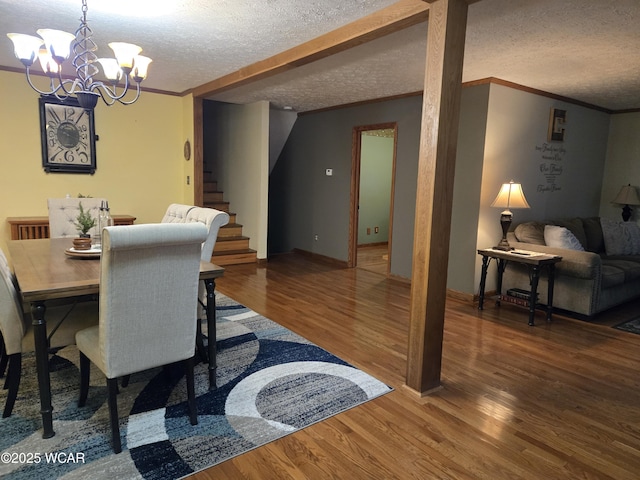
(530, 232)
(630, 269)
(561, 237)
(611, 276)
(574, 225)
(620, 238)
(593, 231)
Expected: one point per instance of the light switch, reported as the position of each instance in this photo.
(328, 172)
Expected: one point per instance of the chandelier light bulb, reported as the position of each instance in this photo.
(58, 43)
(125, 54)
(140, 67)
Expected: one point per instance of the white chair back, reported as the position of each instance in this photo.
(63, 213)
(213, 220)
(148, 290)
(176, 213)
(13, 324)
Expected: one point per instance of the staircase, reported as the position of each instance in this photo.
(231, 246)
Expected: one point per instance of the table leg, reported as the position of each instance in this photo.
(552, 269)
(483, 281)
(42, 365)
(502, 264)
(535, 276)
(211, 330)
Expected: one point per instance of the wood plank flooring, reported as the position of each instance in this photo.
(554, 401)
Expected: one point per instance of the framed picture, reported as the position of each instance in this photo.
(68, 136)
(557, 122)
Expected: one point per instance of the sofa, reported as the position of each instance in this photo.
(600, 265)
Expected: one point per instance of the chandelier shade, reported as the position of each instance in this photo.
(54, 47)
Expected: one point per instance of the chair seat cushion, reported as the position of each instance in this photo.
(88, 342)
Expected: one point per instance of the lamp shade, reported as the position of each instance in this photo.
(510, 196)
(627, 195)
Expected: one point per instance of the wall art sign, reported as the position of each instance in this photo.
(551, 166)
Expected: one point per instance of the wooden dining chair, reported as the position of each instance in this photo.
(63, 214)
(148, 289)
(63, 321)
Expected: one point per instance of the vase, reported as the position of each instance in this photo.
(82, 243)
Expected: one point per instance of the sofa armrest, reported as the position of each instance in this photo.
(575, 263)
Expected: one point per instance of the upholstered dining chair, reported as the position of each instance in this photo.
(149, 279)
(64, 211)
(213, 219)
(176, 213)
(17, 336)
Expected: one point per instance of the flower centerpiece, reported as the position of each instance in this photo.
(84, 222)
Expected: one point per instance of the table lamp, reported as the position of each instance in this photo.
(509, 196)
(627, 196)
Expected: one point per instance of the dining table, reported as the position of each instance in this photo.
(46, 269)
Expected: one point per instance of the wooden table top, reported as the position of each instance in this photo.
(45, 272)
(521, 256)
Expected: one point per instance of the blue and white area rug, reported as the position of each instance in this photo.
(632, 326)
(271, 382)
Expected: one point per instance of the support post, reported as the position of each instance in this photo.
(434, 197)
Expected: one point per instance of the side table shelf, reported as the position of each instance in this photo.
(535, 261)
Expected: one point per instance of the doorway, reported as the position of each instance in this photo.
(372, 187)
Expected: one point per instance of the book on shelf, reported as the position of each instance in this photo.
(519, 293)
(515, 300)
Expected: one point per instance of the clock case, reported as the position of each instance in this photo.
(89, 168)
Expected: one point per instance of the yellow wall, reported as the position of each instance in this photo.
(140, 163)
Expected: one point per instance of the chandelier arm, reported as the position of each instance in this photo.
(129, 102)
(107, 99)
(53, 89)
(112, 92)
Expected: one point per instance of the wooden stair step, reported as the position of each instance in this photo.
(226, 244)
(213, 197)
(222, 206)
(210, 186)
(234, 257)
(230, 230)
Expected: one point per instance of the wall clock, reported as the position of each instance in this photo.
(68, 136)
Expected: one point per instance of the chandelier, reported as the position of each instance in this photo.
(54, 47)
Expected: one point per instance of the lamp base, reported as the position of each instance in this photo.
(505, 223)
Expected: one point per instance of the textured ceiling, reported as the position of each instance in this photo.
(582, 49)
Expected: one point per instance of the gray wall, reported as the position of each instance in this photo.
(502, 132)
(304, 202)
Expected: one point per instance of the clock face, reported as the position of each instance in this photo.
(68, 137)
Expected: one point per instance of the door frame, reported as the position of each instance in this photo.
(356, 160)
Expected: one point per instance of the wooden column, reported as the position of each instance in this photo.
(434, 198)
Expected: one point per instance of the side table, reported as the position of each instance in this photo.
(534, 260)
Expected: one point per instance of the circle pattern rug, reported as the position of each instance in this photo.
(271, 382)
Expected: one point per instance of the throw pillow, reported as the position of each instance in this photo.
(631, 233)
(530, 232)
(620, 238)
(575, 226)
(561, 237)
(593, 230)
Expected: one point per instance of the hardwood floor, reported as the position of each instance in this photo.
(554, 401)
(374, 258)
